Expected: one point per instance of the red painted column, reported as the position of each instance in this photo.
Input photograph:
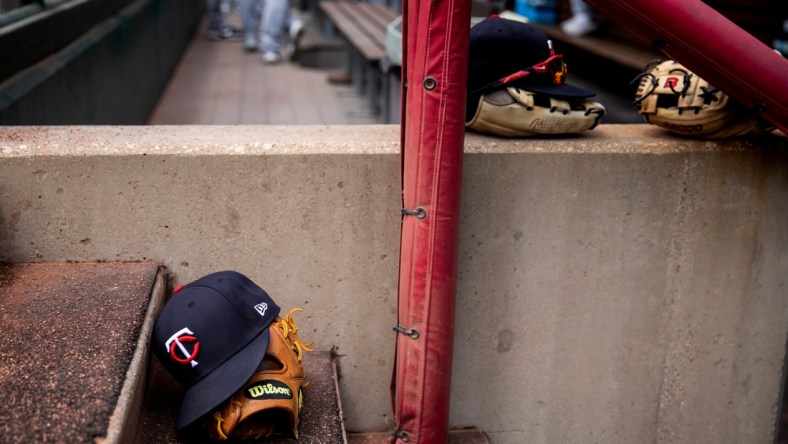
(435, 60)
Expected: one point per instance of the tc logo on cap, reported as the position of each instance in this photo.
(175, 345)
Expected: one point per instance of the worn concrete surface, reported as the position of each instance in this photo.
(456, 436)
(124, 423)
(621, 286)
(67, 336)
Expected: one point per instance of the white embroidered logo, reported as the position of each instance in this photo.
(261, 308)
(175, 344)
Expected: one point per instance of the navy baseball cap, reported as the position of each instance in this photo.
(500, 48)
(211, 335)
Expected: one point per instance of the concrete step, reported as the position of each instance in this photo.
(73, 349)
(321, 416)
(456, 436)
(75, 364)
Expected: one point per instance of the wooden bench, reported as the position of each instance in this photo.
(363, 25)
(632, 54)
(761, 18)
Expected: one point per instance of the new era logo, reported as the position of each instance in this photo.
(261, 308)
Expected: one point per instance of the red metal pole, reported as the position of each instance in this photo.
(435, 60)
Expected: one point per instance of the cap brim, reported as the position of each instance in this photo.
(563, 90)
(221, 383)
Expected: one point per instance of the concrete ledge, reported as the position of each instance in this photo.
(253, 140)
(125, 420)
(621, 286)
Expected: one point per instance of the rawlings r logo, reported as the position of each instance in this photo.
(671, 82)
(175, 344)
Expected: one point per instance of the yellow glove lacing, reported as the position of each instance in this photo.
(290, 331)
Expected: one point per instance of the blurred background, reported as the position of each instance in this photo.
(137, 62)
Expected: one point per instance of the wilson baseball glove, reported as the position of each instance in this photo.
(270, 401)
(515, 112)
(672, 97)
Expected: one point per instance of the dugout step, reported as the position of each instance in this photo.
(73, 349)
(321, 415)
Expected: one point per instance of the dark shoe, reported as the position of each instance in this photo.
(294, 45)
(339, 79)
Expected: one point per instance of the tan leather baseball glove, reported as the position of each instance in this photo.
(672, 97)
(270, 401)
(516, 112)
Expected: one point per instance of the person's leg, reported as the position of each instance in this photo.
(583, 19)
(581, 7)
(215, 21)
(217, 29)
(273, 22)
(249, 11)
(294, 27)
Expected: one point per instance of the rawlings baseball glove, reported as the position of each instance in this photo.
(674, 98)
(270, 401)
(515, 112)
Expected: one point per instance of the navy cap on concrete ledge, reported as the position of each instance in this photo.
(501, 48)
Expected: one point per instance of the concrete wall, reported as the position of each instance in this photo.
(113, 73)
(621, 287)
